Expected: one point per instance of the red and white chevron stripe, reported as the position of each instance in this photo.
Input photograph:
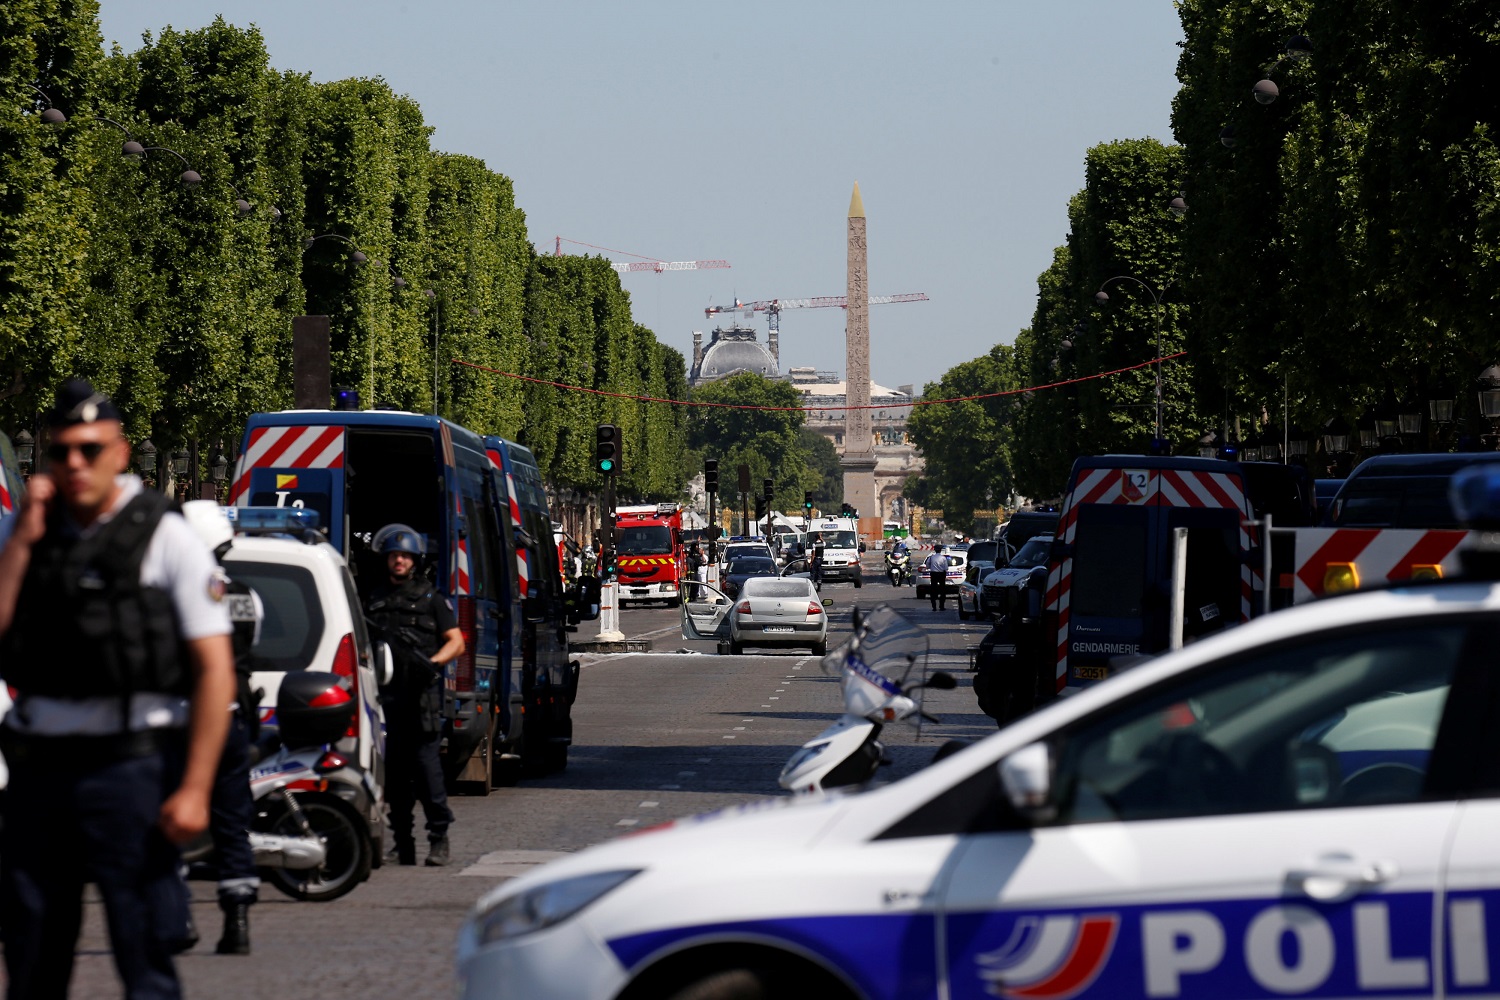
(315, 446)
(523, 568)
(1379, 555)
(7, 506)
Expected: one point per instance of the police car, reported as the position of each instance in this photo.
(1305, 805)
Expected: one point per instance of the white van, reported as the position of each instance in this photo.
(841, 548)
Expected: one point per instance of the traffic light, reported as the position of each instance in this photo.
(607, 449)
(768, 489)
(807, 501)
(710, 475)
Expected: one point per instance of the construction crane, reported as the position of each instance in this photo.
(773, 307)
(646, 263)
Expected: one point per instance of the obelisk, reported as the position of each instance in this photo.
(859, 444)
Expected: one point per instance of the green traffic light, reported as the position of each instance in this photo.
(606, 465)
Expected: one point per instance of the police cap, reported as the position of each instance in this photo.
(78, 402)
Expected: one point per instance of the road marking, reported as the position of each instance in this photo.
(627, 822)
(648, 805)
(765, 706)
(687, 774)
(508, 864)
(730, 736)
(705, 760)
(670, 788)
(747, 720)
(739, 729)
(774, 698)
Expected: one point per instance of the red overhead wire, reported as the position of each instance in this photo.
(656, 260)
(816, 409)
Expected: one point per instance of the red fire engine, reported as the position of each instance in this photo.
(649, 552)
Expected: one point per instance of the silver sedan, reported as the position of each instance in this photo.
(784, 611)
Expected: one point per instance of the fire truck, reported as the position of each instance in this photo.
(649, 553)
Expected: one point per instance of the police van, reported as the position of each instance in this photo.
(841, 548)
(362, 470)
(543, 682)
(1303, 806)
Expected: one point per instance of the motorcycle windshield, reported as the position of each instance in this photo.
(887, 653)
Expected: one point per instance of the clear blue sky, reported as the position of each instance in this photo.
(691, 130)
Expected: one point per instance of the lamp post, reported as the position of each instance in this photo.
(25, 450)
(1102, 298)
(360, 257)
(1489, 401)
(437, 311)
(50, 114)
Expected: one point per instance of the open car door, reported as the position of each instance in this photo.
(705, 611)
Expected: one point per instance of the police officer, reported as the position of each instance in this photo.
(232, 807)
(114, 635)
(936, 566)
(818, 547)
(423, 635)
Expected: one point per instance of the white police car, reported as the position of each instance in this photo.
(1307, 805)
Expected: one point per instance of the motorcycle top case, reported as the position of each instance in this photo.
(313, 708)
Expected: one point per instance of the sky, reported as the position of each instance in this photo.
(736, 131)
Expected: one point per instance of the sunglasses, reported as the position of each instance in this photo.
(90, 450)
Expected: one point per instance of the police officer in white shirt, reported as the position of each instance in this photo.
(115, 637)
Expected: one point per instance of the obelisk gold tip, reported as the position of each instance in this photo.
(856, 204)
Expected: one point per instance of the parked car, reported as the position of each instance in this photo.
(1020, 527)
(313, 620)
(1401, 491)
(980, 558)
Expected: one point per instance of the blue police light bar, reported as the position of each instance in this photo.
(1475, 495)
(272, 520)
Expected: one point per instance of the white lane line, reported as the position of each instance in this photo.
(739, 729)
(774, 698)
(765, 706)
(648, 805)
(508, 864)
(747, 720)
(628, 822)
(730, 736)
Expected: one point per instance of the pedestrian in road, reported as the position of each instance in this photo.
(818, 546)
(417, 623)
(115, 637)
(695, 564)
(232, 807)
(936, 567)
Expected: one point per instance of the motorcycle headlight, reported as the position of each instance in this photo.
(546, 905)
(803, 756)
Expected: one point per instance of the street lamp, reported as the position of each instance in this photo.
(1226, 137)
(25, 448)
(1336, 437)
(1102, 298)
(1178, 206)
(1440, 410)
(145, 456)
(1265, 91)
(50, 114)
(179, 463)
(218, 469)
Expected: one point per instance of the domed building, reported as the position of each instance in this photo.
(731, 352)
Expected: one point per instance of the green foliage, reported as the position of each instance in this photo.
(180, 305)
(823, 458)
(768, 442)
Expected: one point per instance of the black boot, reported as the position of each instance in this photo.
(406, 851)
(437, 852)
(236, 939)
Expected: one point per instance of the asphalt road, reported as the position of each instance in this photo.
(658, 735)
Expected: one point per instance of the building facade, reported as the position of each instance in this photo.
(896, 458)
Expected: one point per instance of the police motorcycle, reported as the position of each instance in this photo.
(898, 567)
(308, 835)
(881, 683)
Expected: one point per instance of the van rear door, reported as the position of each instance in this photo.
(1109, 602)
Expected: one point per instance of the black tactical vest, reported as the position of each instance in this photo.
(404, 615)
(85, 626)
(240, 600)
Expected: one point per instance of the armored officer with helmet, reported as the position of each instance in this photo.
(417, 623)
(114, 635)
(232, 806)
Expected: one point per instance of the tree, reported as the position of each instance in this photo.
(765, 440)
(823, 459)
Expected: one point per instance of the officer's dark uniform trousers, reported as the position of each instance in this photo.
(232, 807)
(413, 709)
(85, 808)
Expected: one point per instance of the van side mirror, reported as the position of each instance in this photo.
(1026, 777)
(385, 664)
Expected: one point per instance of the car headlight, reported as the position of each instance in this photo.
(546, 905)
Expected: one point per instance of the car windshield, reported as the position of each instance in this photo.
(293, 624)
(644, 540)
(1033, 553)
(769, 587)
(753, 566)
(983, 551)
(836, 539)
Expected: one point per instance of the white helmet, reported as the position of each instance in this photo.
(210, 521)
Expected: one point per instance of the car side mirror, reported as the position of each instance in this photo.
(1026, 777)
(385, 665)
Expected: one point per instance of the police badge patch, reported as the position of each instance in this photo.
(218, 586)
